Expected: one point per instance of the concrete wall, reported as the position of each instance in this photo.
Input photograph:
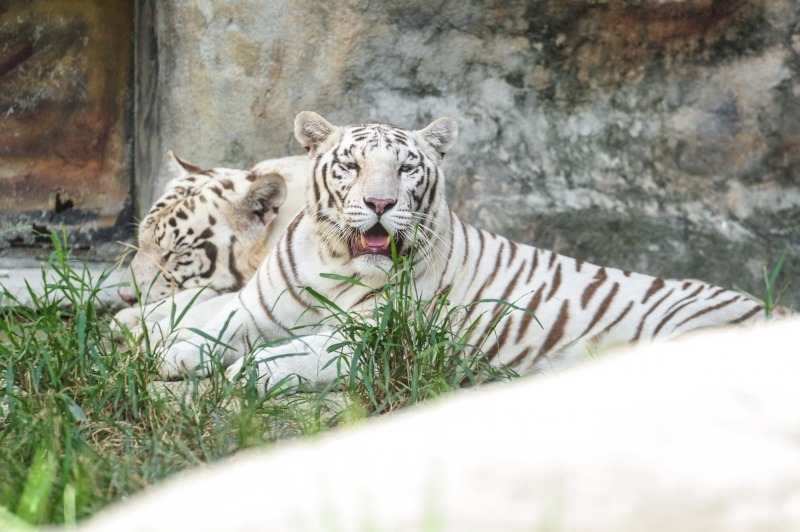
(661, 136)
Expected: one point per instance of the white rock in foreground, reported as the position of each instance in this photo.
(702, 433)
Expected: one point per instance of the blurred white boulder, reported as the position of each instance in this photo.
(699, 434)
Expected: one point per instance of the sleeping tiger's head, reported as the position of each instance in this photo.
(208, 229)
(373, 180)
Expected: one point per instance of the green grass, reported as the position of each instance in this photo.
(84, 423)
(772, 295)
(409, 349)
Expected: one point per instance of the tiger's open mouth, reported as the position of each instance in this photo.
(375, 241)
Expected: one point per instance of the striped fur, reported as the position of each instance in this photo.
(210, 229)
(366, 174)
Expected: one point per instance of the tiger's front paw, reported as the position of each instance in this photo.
(181, 358)
(130, 317)
(269, 376)
(136, 321)
(298, 365)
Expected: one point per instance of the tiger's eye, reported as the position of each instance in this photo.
(406, 168)
(352, 166)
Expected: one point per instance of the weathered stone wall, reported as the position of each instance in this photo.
(66, 150)
(656, 135)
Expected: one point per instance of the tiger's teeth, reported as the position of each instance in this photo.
(363, 241)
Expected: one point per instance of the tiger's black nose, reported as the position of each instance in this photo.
(128, 295)
(379, 206)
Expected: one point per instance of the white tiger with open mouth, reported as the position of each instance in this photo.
(367, 181)
(206, 236)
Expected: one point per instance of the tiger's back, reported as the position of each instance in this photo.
(581, 306)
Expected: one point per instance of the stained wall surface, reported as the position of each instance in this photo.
(66, 109)
(661, 136)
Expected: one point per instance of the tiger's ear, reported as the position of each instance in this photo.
(312, 131)
(265, 195)
(441, 135)
(178, 168)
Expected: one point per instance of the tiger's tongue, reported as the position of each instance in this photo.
(377, 237)
(376, 241)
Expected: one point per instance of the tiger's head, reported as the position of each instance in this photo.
(208, 229)
(373, 180)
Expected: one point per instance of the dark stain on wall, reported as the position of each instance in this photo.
(592, 45)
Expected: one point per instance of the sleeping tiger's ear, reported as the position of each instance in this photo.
(441, 135)
(178, 168)
(311, 131)
(265, 195)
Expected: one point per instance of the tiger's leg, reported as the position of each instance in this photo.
(178, 327)
(301, 363)
(304, 362)
(227, 337)
(151, 313)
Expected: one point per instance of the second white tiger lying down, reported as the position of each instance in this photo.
(369, 181)
(695, 435)
(206, 236)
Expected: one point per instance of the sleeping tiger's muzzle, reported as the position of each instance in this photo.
(375, 241)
